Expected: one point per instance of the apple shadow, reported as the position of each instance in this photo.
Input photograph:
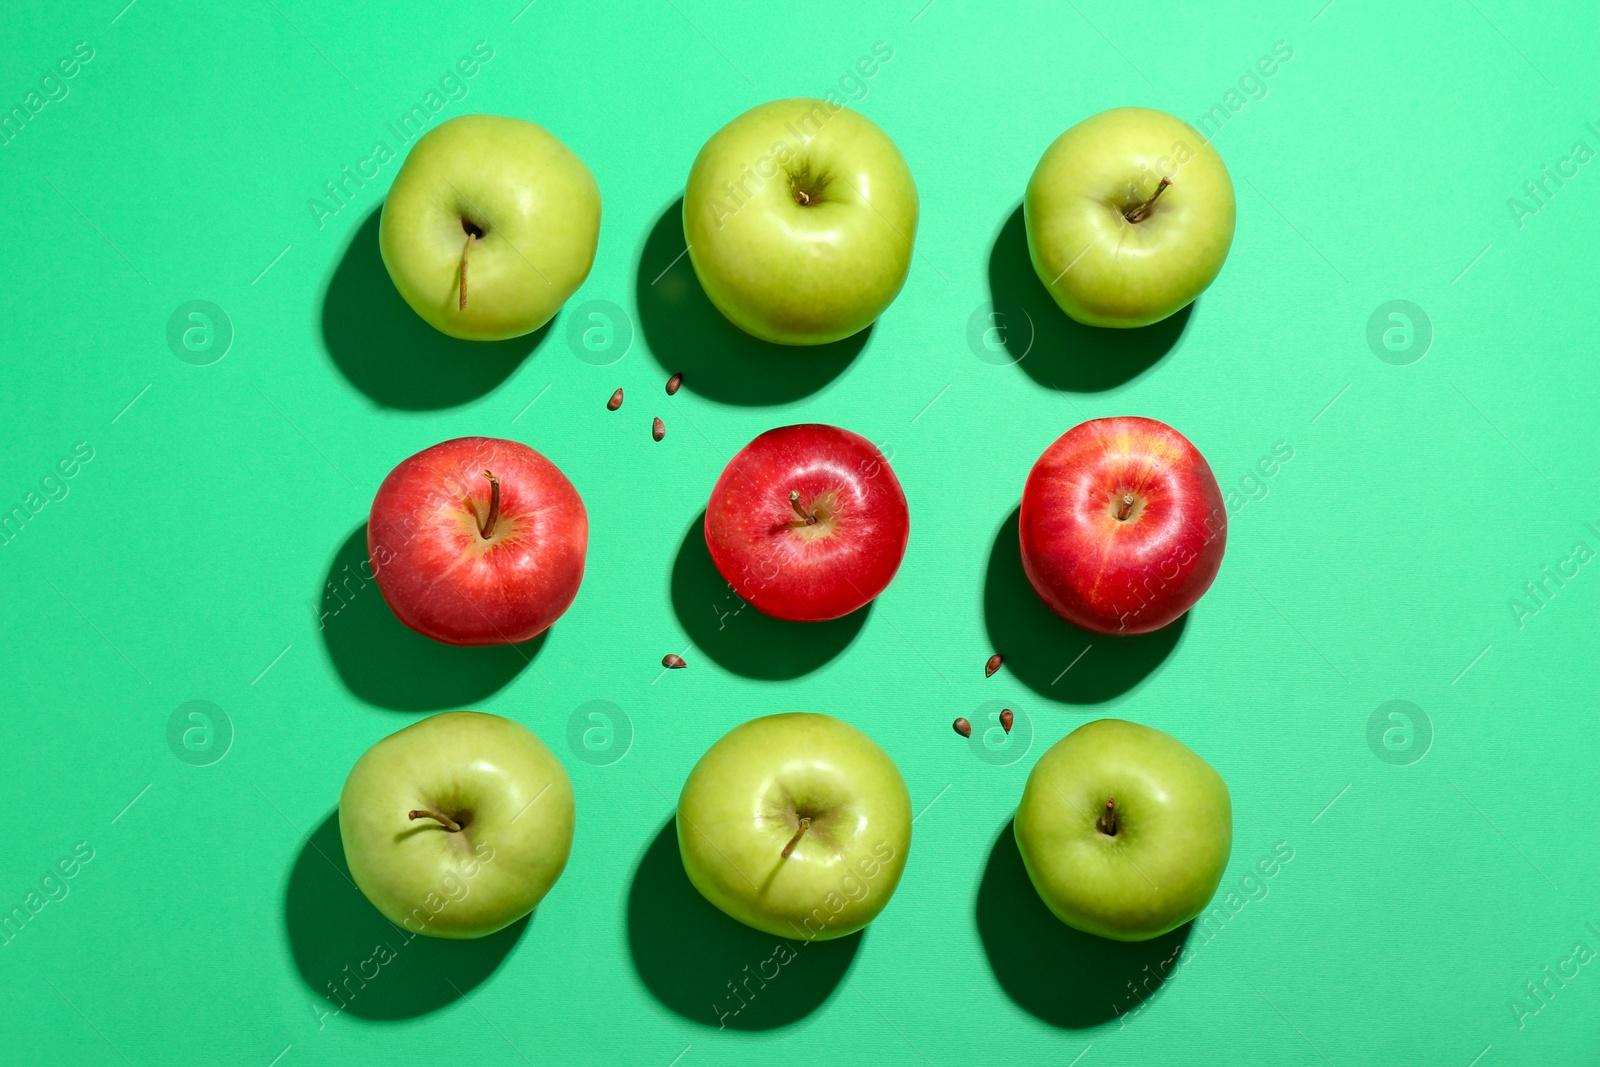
(686, 334)
(348, 954)
(738, 637)
(1052, 347)
(713, 970)
(1050, 655)
(1062, 976)
(384, 662)
(389, 353)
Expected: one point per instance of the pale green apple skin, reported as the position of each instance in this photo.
(793, 274)
(738, 811)
(1174, 833)
(1102, 269)
(513, 844)
(536, 203)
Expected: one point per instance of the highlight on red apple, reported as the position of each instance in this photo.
(478, 541)
(808, 522)
(1122, 526)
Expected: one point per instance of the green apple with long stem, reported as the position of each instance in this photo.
(798, 825)
(457, 825)
(800, 217)
(489, 226)
(1124, 830)
(1129, 217)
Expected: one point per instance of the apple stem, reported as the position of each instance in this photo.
(1107, 823)
(1140, 211)
(464, 250)
(805, 824)
(444, 820)
(807, 519)
(1128, 500)
(494, 506)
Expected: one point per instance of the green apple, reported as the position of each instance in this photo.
(800, 217)
(457, 825)
(490, 225)
(1129, 217)
(1125, 832)
(797, 825)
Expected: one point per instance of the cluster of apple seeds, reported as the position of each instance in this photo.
(674, 383)
(658, 429)
(964, 727)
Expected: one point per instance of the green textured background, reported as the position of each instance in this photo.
(188, 557)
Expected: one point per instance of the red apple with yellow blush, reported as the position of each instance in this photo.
(478, 541)
(1122, 525)
(808, 523)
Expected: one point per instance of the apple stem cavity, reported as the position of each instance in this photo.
(494, 506)
(806, 517)
(1141, 211)
(443, 820)
(805, 824)
(806, 187)
(1107, 823)
(1126, 506)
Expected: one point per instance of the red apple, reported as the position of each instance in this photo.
(808, 523)
(478, 541)
(1122, 525)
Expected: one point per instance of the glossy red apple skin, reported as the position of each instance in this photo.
(442, 578)
(785, 568)
(1131, 575)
